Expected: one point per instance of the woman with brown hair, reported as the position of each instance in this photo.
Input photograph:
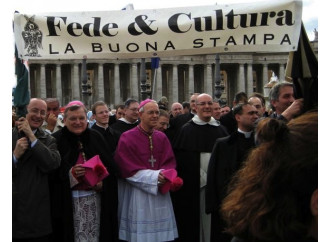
(274, 196)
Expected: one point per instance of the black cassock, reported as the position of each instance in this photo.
(190, 142)
(122, 127)
(227, 157)
(61, 204)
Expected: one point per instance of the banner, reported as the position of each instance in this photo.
(246, 27)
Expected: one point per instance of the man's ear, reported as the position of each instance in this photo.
(237, 117)
(314, 203)
(273, 102)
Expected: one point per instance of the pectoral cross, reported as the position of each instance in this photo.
(152, 160)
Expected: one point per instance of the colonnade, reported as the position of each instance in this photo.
(113, 81)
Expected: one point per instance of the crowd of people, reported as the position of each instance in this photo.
(196, 171)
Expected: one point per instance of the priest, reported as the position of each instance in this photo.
(144, 155)
(130, 119)
(193, 148)
(227, 157)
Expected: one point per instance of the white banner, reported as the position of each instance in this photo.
(246, 27)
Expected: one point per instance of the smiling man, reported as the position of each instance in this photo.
(130, 119)
(35, 155)
(193, 147)
(77, 144)
(101, 112)
(142, 155)
(163, 120)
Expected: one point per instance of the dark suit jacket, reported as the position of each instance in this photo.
(176, 124)
(228, 120)
(226, 158)
(31, 199)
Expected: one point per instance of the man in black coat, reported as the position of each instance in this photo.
(130, 120)
(177, 122)
(227, 156)
(192, 149)
(101, 115)
(35, 155)
(228, 120)
(76, 140)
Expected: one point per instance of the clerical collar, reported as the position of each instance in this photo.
(126, 121)
(198, 121)
(144, 131)
(101, 126)
(246, 134)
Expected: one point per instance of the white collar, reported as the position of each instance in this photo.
(246, 134)
(198, 121)
(101, 126)
(126, 121)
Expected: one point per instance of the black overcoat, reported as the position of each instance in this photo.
(94, 144)
(226, 158)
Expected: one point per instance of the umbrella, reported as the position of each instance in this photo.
(302, 69)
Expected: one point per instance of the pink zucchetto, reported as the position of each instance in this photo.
(145, 102)
(74, 103)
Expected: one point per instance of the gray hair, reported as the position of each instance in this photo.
(74, 108)
(141, 110)
(274, 93)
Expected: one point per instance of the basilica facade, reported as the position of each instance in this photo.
(115, 80)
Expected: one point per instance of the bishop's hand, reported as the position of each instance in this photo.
(161, 179)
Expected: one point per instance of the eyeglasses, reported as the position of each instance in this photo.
(134, 109)
(204, 103)
(36, 111)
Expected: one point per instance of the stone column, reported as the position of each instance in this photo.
(249, 80)
(58, 89)
(191, 88)
(117, 85)
(100, 83)
(241, 79)
(134, 82)
(208, 88)
(42, 90)
(282, 73)
(175, 86)
(159, 83)
(75, 84)
(264, 74)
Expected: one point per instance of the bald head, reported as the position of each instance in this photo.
(204, 107)
(176, 109)
(192, 102)
(37, 110)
